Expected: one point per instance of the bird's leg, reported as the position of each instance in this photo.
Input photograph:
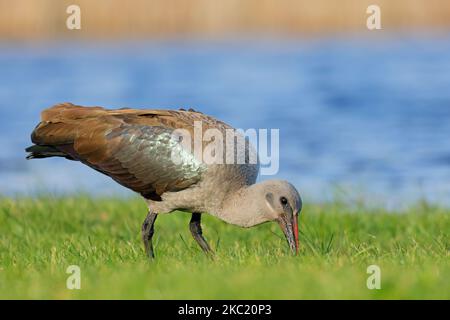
(147, 233)
(196, 230)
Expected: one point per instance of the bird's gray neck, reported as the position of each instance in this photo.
(242, 207)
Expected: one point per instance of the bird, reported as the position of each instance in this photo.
(135, 148)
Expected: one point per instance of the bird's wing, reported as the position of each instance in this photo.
(134, 147)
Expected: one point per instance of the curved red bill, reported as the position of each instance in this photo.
(290, 230)
(295, 227)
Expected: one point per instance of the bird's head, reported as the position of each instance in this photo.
(270, 200)
(283, 205)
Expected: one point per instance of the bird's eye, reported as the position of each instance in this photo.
(283, 201)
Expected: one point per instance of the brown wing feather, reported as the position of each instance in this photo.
(128, 145)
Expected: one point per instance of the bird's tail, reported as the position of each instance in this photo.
(39, 152)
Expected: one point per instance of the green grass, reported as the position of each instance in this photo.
(40, 238)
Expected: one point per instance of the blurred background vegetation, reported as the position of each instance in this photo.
(103, 19)
(381, 97)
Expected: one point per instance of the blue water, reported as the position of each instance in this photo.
(357, 119)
